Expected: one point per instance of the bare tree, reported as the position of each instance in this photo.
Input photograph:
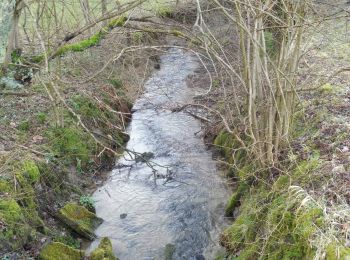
(270, 34)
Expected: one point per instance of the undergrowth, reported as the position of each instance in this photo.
(34, 183)
(276, 218)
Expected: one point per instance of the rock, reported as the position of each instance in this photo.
(79, 219)
(339, 169)
(122, 216)
(144, 157)
(9, 83)
(345, 149)
(104, 251)
(59, 251)
(169, 251)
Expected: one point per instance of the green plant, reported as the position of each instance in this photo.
(88, 202)
(41, 117)
(116, 83)
(24, 126)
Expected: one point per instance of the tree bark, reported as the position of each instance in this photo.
(13, 37)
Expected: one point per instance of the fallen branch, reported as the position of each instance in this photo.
(13, 93)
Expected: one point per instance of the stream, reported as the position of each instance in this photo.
(172, 205)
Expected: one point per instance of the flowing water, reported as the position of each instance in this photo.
(174, 203)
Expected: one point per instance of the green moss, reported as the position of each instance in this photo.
(16, 231)
(336, 252)
(138, 36)
(6, 186)
(41, 117)
(118, 22)
(24, 126)
(302, 173)
(246, 172)
(10, 210)
(104, 251)
(225, 142)
(85, 107)
(234, 200)
(177, 33)
(67, 240)
(80, 219)
(16, 56)
(164, 11)
(249, 252)
(116, 83)
(169, 251)
(93, 40)
(19, 209)
(71, 143)
(37, 58)
(282, 183)
(305, 126)
(80, 46)
(59, 251)
(330, 89)
(242, 231)
(271, 224)
(31, 171)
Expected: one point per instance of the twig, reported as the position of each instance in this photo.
(13, 93)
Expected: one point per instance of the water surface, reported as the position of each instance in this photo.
(177, 197)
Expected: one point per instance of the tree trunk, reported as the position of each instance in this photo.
(6, 27)
(13, 38)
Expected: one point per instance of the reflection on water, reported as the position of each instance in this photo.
(178, 197)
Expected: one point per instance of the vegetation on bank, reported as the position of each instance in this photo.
(36, 185)
(286, 213)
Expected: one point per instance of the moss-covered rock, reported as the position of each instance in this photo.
(31, 170)
(104, 251)
(234, 200)
(15, 231)
(19, 216)
(79, 219)
(59, 251)
(169, 252)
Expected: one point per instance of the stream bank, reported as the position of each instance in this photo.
(49, 156)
